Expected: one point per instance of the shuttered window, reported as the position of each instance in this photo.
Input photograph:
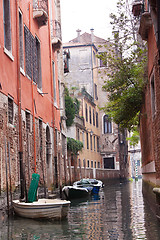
(32, 57)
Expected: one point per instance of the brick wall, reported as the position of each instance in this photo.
(9, 134)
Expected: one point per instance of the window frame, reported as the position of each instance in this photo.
(7, 26)
(107, 124)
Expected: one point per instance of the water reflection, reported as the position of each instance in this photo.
(118, 213)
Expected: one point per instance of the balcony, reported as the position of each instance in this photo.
(56, 36)
(137, 8)
(145, 24)
(40, 11)
(87, 95)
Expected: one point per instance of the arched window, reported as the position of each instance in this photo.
(107, 125)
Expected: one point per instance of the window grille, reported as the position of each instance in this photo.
(10, 110)
(28, 122)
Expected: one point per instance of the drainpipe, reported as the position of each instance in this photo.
(51, 76)
(92, 72)
(34, 132)
(158, 26)
(22, 181)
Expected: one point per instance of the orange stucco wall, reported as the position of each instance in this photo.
(8, 67)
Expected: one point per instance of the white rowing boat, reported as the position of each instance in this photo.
(43, 208)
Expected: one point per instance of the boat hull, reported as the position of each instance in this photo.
(43, 208)
(86, 183)
(75, 192)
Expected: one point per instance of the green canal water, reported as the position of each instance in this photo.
(119, 212)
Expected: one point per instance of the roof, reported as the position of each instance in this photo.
(85, 39)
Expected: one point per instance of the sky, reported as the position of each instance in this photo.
(84, 15)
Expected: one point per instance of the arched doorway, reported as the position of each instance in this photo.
(48, 157)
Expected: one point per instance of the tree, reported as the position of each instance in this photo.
(134, 139)
(126, 60)
(74, 146)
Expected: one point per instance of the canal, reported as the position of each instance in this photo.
(119, 212)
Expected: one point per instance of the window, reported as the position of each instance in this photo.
(95, 90)
(87, 141)
(103, 63)
(90, 116)
(83, 140)
(38, 58)
(28, 52)
(66, 57)
(98, 164)
(54, 82)
(97, 144)
(95, 164)
(94, 143)
(107, 125)
(91, 141)
(91, 164)
(7, 25)
(93, 118)
(78, 135)
(88, 163)
(10, 110)
(97, 119)
(32, 57)
(109, 163)
(28, 124)
(86, 110)
(21, 40)
(153, 95)
(84, 163)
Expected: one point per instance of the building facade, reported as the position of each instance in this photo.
(84, 79)
(32, 129)
(149, 29)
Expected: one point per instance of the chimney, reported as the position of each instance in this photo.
(78, 35)
(92, 35)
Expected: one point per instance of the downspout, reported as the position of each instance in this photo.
(51, 76)
(158, 26)
(22, 181)
(34, 132)
(92, 73)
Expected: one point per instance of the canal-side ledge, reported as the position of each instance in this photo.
(156, 190)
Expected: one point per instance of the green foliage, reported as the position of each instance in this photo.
(126, 60)
(74, 145)
(71, 108)
(134, 139)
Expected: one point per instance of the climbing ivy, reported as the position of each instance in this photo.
(71, 108)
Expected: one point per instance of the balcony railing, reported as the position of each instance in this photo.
(56, 35)
(40, 11)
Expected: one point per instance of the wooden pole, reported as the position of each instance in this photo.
(22, 184)
(10, 180)
(6, 177)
